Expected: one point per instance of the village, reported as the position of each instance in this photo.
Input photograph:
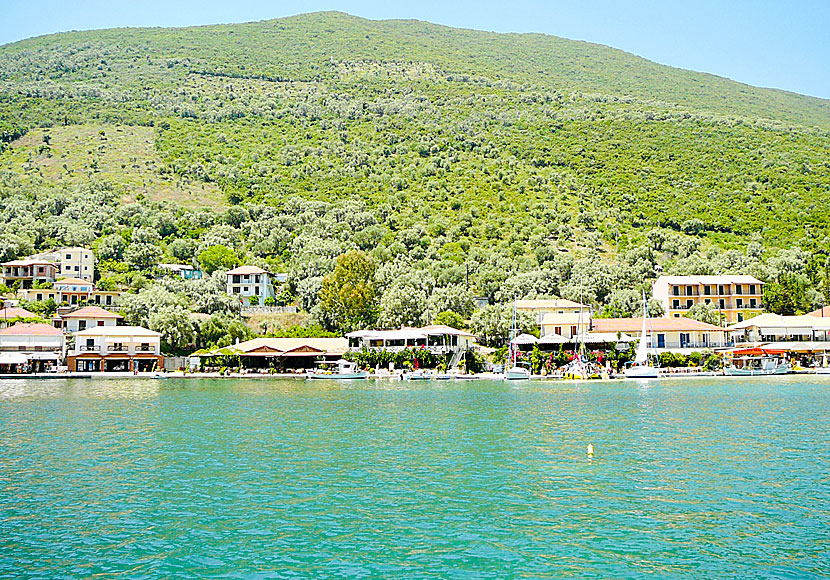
(86, 336)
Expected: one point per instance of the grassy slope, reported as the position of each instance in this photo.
(479, 135)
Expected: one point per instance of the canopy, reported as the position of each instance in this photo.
(553, 338)
(44, 356)
(525, 339)
(13, 358)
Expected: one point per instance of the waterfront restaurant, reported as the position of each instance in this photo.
(116, 349)
(810, 333)
(281, 354)
(437, 338)
(678, 335)
(35, 347)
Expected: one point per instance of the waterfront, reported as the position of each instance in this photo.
(136, 478)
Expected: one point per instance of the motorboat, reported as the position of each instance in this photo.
(340, 369)
(754, 366)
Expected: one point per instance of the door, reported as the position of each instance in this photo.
(661, 341)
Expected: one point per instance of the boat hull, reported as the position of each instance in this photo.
(733, 372)
(517, 374)
(338, 376)
(642, 372)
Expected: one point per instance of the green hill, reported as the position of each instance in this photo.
(504, 150)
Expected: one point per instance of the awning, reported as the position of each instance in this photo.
(13, 358)
(44, 356)
(525, 339)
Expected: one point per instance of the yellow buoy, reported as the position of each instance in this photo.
(590, 449)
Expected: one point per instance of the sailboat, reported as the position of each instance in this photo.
(639, 367)
(515, 371)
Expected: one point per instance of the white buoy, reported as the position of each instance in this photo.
(590, 449)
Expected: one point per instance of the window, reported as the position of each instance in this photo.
(573, 330)
(721, 290)
(68, 256)
(721, 303)
(247, 290)
(740, 317)
(675, 304)
(256, 290)
(689, 291)
(676, 290)
(707, 301)
(684, 339)
(707, 290)
(753, 303)
(752, 289)
(661, 341)
(100, 323)
(82, 325)
(77, 268)
(236, 278)
(739, 289)
(40, 296)
(739, 303)
(689, 303)
(557, 330)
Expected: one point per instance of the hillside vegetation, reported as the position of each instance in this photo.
(482, 163)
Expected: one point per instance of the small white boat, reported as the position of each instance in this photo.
(345, 369)
(640, 368)
(518, 372)
(823, 371)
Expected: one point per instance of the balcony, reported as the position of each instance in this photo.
(117, 348)
(89, 348)
(145, 348)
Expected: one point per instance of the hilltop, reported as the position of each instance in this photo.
(512, 154)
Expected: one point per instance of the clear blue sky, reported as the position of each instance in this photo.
(781, 44)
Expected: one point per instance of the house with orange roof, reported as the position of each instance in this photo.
(14, 314)
(30, 346)
(250, 285)
(27, 272)
(86, 317)
(681, 335)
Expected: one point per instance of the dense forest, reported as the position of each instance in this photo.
(457, 163)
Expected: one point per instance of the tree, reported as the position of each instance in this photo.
(175, 326)
(787, 295)
(451, 319)
(404, 303)
(491, 324)
(216, 258)
(348, 298)
(705, 313)
(141, 256)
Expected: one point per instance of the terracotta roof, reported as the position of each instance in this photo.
(75, 281)
(91, 312)
(821, 312)
(29, 262)
(654, 324)
(331, 346)
(15, 312)
(31, 329)
(242, 270)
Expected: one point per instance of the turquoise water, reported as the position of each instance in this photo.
(702, 478)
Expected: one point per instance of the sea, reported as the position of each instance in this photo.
(714, 477)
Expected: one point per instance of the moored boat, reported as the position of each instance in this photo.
(754, 366)
(640, 368)
(345, 369)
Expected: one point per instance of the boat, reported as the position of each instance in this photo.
(515, 371)
(754, 366)
(640, 368)
(823, 371)
(345, 369)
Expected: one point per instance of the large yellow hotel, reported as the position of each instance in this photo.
(736, 297)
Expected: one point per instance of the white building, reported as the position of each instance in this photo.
(35, 346)
(558, 316)
(76, 263)
(437, 338)
(249, 283)
(116, 348)
(86, 317)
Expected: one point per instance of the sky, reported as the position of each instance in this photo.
(779, 44)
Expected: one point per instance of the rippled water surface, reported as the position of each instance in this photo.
(298, 479)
